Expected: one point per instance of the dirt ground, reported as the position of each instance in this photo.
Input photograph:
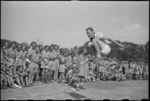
(99, 90)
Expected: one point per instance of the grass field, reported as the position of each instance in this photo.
(134, 90)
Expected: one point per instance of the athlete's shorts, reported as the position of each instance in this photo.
(106, 50)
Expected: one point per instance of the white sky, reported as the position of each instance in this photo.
(64, 23)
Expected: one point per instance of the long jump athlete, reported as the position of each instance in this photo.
(98, 40)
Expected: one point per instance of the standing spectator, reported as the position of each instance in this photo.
(57, 61)
(35, 58)
(45, 64)
(62, 68)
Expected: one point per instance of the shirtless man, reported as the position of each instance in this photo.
(99, 41)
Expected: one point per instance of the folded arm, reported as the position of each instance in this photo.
(113, 41)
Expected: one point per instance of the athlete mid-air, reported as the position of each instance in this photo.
(98, 40)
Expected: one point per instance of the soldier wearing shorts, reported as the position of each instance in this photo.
(81, 70)
(57, 62)
(62, 68)
(34, 64)
(11, 68)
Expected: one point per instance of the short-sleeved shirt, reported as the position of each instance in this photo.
(69, 60)
(53, 54)
(30, 51)
(81, 66)
(52, 65)
(62, 68)
(45, 55)
(11, 55)
(120, 69)
(19, 57)
(62, 59)
(24, 54)
(36, 56)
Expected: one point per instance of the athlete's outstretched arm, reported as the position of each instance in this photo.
(110, 39)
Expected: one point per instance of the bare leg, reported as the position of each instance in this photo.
(32, 76)
(56, 69)
(50, 74)
(8, 80)
(63, 76)
(27, 80)
(18, 81)
(47, 76)
(98, 50)
(3, 78)
(21, 80)
(43, 75)
(11, 78)
(60, 77)
(37, 74)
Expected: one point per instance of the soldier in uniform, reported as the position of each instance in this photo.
(102, 70)
(131, 70)
(3, 70)
(81, 73)
(11, 68)
(92, 67)
(86, 65)
(35, 58)
(57, 61)
(26, 69)
(141, 71)
(19, 63)
(44, 63)
(62, 67)
(52, 62)
(69, 61)
(146, 72)
(135, 71)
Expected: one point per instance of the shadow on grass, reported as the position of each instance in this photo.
(76, 96)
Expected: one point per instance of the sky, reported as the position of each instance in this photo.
(64, 22)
